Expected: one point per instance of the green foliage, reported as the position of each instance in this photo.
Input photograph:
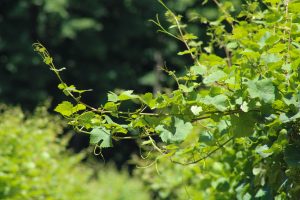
(36, 165)
(84, 37)
(101, 135)
(236, 110)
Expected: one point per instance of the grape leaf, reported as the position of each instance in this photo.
(165, 134)
(85, 119)
(65, 108)
(78, 107)
(148, 100)
(262, 89)
(101, 135)
(199, 69)
(126, 95)
(219, 101)
(196, 110)
(213, 77)
(112, 97)
(242, 125)
(176, 133)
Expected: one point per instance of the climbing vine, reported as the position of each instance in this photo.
(242, 90)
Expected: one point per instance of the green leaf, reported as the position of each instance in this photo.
(71, 88)
(198, 69)
(262, 89)
(189, 36)
(242, 125)
(192, 50)
(165, 134)
(244, 107)
(185, 88)
(148, 100)
(176, 133)
(112, 97)
(219, 101)
(62, 86)
(182, 129)
(85, 119)
(48, 60)
(126, 95)
(263, 151)
(270, 58)
(110, 106)
(222, 184)
(213, 77)
(78, 107)
(101, 135)
(65, 108)
(261, 193)
(196, 110)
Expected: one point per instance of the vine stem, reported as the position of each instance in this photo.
(205, 157)
(224, 11)
(181, 38)
(45, 55)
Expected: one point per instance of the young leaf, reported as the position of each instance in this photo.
(85, 119)
(148, 100)
(196, 110)
(126, 95)
(110, 106)
(112, 97)
(192, 50)
(78, 107)
(65, 108)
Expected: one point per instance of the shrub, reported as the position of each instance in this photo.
(36, 165)
(236, 108)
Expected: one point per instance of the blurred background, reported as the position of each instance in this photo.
(104, 44)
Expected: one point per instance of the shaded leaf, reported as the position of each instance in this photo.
(262, 89)
(242, 125)
(101, 135)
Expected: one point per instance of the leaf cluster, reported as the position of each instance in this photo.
(247, 101)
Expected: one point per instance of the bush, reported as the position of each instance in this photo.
(235, 110)
(35, 164)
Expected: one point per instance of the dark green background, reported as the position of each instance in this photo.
(104, 45)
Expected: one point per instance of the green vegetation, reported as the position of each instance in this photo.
(107, 41)
(36, 165)
(230, 128)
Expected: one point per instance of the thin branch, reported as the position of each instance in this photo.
(205, 157)
(194, 57)
(224, 11)
(45, 55)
